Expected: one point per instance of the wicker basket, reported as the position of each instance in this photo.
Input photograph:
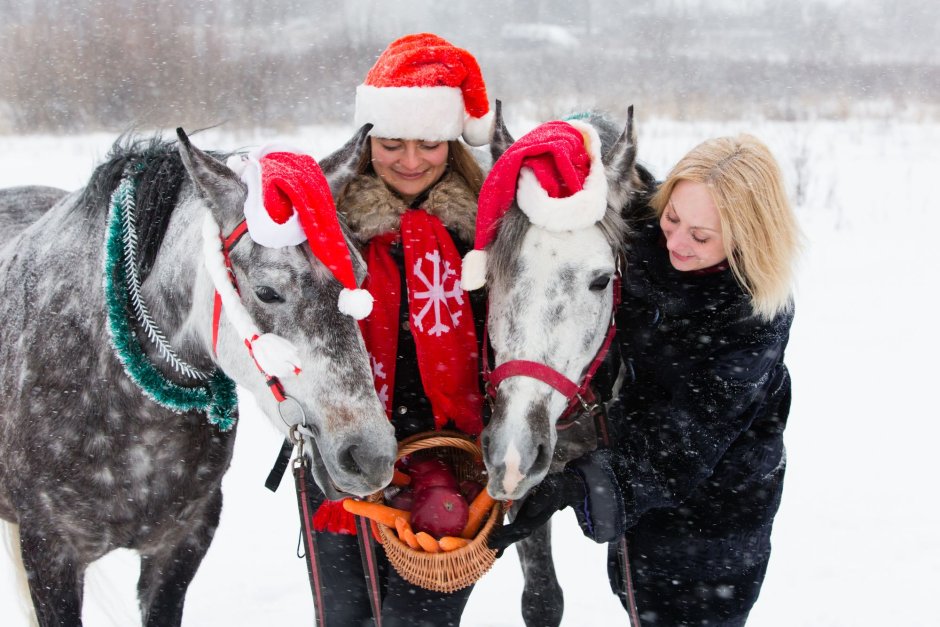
(451, 570)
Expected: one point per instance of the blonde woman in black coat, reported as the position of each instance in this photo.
(695, 476)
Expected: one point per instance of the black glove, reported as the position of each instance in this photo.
(589, 485)
(557, 491)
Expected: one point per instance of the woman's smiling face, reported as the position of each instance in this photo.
(409, 166)
(692, 228)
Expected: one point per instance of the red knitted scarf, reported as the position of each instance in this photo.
(441, 321)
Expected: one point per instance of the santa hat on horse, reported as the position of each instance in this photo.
(555, 174)
(423, 87)
(288, 203)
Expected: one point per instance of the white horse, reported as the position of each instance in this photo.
(551, 307)
(104, 437)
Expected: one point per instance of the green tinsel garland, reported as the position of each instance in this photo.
(217, 398)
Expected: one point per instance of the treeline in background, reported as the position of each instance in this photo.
(72, 66)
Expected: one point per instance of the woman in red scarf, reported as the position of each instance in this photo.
(412, 206)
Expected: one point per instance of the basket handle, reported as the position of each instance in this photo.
(412, 446)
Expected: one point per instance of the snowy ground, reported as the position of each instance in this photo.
(855, 541)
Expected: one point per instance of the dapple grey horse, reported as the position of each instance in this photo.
(551, 301)
(88, 461)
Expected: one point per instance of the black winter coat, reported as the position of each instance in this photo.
(698, 424)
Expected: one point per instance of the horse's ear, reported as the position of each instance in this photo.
(217, 184)
(502, 140)
(620, 165)
(340, 166)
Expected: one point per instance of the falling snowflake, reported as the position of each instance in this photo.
(437, 294)
(378, 372)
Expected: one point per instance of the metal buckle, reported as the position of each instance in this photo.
(588, 407)
(303, 415)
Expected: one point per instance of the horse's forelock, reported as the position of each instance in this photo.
(512, 228)
(502, 255)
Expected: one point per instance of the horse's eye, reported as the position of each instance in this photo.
(599, 283)
(268, 294)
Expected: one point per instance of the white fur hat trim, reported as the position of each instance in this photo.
(577, 211)
(430, 113)
(261, 228)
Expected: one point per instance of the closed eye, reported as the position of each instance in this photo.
(599, 283)
(267, 294)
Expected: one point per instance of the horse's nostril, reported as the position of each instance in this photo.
(485, 442)
(542, 458)
(347, 460)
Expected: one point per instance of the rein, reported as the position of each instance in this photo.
(577, 395)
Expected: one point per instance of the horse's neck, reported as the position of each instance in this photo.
(178, 290)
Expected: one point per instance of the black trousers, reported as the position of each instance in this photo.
(345, 596)
(675, 593)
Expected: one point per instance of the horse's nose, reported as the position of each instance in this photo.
(366, 462)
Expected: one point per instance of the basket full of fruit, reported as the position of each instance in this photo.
(435, 517)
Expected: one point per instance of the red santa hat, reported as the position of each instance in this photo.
(423, 87)
(556, 176)
(289, 202)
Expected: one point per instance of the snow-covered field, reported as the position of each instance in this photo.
(855, 541)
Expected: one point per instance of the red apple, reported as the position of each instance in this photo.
(439, 511)
(430, 473)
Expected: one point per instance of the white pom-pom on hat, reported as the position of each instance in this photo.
(479, 131)
(473, 270)
(356, 302)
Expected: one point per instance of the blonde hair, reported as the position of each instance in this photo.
(759, 229)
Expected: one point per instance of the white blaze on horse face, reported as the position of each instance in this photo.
(512, 476)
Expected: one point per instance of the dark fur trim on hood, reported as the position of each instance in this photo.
(371, 208)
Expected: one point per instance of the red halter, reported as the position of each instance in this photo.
(576, 394)
(228, 243)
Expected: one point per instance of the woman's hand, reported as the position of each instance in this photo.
(556, 492)
(588, 485)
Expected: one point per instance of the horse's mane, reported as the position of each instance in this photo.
(514, 224)
(159, 173)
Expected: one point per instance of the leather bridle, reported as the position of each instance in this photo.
(577, 395)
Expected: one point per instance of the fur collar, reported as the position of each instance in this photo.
(370, 208)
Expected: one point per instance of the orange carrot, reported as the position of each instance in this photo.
(400, 479)
(376, 511)
(427, 542)
(450, 543)
(479, 507)
(405, 534)
(375, 530)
